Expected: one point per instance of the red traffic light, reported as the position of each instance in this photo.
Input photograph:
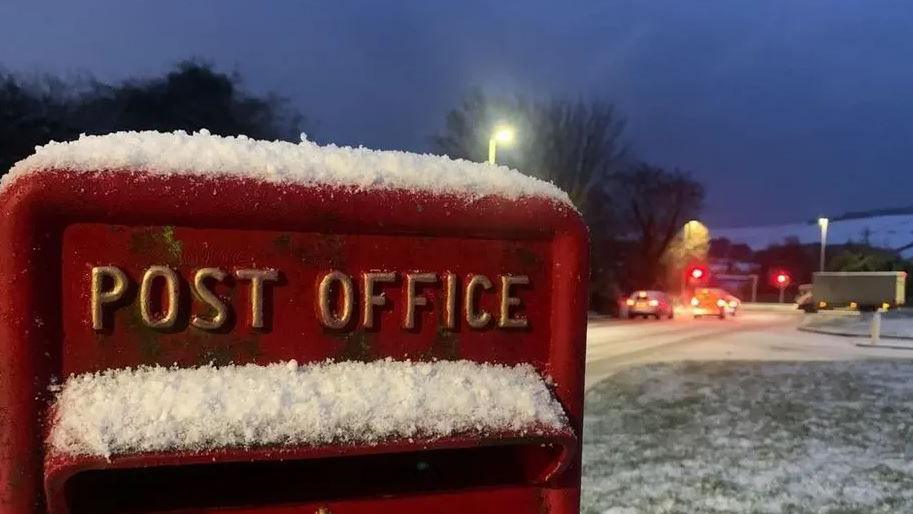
(697, 275)
(780, 279)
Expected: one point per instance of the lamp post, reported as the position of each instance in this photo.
(693, 248)
(500, 135)
(822, 222)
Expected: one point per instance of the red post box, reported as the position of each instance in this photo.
(191, 323)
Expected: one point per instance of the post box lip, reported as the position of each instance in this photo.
(60, 468)
(560, 437)
(70, 432)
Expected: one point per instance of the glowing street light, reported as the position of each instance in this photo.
(503, 134)
(823, 222)
(694, 229)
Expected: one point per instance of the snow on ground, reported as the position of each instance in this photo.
(894, 324)
(155, 408)
(894, 231)
(704, 437)
(306, 163)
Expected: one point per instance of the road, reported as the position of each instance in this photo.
(752, 335)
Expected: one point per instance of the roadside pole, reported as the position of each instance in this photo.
(876, 326)
(782, 280)
(822, 223)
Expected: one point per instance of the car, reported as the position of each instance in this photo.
(650, 303)
(713, 301)
(733, 302)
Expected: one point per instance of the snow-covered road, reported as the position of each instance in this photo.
(752, 335)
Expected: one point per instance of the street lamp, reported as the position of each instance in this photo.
(502, 134)
(695, 240)
(822, 222)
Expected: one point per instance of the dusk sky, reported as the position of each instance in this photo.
(783, 109)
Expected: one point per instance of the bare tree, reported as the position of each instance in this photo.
(575, 145)
(578, 149)
(468, 127)
(634, 210)
(653, 203)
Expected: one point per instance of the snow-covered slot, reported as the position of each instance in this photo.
(286, 404)
(305, 163)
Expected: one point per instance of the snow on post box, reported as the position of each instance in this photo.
(193, 323)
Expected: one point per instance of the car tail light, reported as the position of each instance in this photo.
(630, 302)
(695, 302)
(653, 303)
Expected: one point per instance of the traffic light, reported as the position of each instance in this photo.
(780, 279)
(698, 275)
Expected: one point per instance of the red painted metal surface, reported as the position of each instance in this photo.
(293, 330)
(55, 226)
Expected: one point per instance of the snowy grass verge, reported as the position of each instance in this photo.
(155, 408)
(751, 437)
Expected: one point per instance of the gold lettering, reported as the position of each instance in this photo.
(145, 294)
(209, 298)
(336, 298)
(450, 314)
(100, 298)
(257, 279)
(371, 300)
(507, 301)
(413, 301)
(476, 318)
(325, 309)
